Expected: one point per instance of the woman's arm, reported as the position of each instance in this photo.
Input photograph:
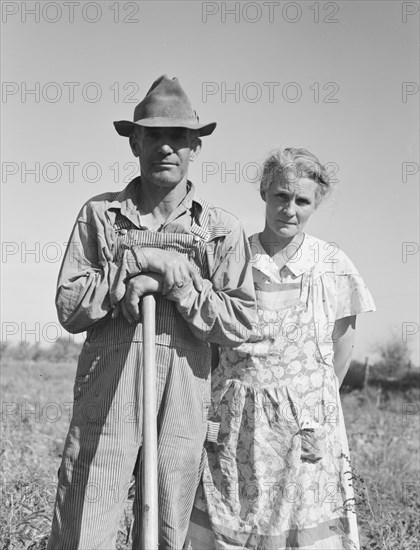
(343, 337)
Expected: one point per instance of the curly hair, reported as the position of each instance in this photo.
(295, 163)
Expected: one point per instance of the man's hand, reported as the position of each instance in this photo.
(136, 288)
(175, 269)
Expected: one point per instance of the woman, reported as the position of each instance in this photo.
(277, 472)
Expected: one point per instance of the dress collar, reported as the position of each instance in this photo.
(301, 261)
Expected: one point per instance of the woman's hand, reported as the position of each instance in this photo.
(175, 269)
(136, 288)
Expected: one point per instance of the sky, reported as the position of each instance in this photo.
(338, 78)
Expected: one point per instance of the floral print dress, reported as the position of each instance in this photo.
(277, 472)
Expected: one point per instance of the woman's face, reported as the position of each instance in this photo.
(290, 202)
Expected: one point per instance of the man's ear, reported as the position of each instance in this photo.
(195, 150)
(134, 144)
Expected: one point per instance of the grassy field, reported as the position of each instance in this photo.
(36, 405)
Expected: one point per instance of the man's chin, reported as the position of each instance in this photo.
(163, 179)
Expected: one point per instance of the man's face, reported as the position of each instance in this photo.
(164, 154)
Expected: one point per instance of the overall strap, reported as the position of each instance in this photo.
(305, 287)
(200, 220)
(311, 303)
(121, 222)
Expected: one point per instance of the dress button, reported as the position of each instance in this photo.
(123, 232)
(196, 239)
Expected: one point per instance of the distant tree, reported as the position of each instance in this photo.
(394, 357)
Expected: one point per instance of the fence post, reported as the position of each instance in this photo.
(366, 378)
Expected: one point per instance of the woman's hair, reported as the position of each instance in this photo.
(299, 162)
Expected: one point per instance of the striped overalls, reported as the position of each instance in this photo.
(105, 433)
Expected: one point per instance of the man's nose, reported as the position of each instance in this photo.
(165, 148)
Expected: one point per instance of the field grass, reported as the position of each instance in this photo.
(385, 450)
(36, 398)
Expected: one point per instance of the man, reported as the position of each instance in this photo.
(154, 236)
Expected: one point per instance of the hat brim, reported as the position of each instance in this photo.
(126, 127)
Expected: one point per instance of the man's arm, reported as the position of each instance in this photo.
(91, 282)
(173, 267)
(219, 310)
(86, 274)
(224, 310)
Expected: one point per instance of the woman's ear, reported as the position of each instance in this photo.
(263, 194)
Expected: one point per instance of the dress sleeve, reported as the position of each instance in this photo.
(353, 296)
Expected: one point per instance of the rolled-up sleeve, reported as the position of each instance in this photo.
(87, 273)
(223, 312)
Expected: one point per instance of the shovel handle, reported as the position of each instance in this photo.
(150, 514)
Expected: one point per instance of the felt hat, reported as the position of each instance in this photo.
(165, 105)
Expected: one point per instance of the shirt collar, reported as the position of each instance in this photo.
(301, 261)
(126, 201)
